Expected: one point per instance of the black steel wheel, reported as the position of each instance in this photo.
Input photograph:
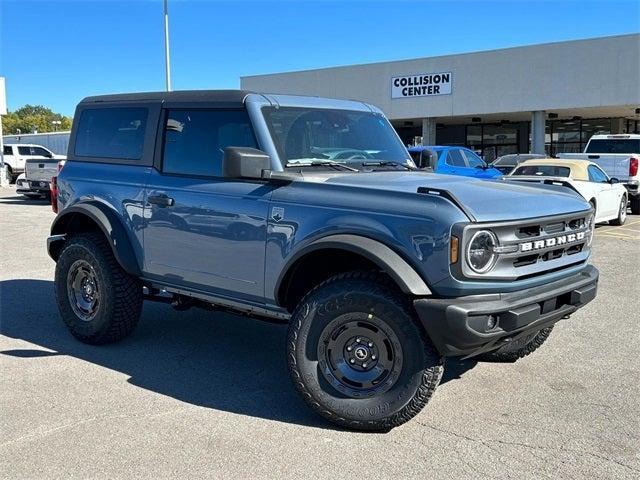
(98, 301)
(83, 291)
(357, 355)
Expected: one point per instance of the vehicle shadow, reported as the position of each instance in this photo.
(209, 359)
(21, 200)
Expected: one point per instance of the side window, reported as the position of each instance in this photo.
(111, 133)
(473, 160)
(7, 150)
(195, 140)
(455, 158)
(40, 151)
(24, 150)
(597, 175)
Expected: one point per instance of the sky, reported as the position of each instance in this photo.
(54, 53)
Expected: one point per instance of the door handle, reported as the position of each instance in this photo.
(161, 200)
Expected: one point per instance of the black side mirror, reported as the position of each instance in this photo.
(613, 180)
(244, 162)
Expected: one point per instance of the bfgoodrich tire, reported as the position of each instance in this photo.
(519, 348)
(358, 357)
(98, 301)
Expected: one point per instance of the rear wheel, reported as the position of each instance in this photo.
(622, 212)
(358, 357)
(519, 348)
(635, 205)
(98, 301)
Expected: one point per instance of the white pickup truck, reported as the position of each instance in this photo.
(619, 157)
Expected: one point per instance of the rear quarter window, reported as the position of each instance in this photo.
(116, 133)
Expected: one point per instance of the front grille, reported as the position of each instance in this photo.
(534, 247)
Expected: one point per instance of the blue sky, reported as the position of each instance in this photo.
(56, 52)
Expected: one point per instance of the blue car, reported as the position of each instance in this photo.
(452, 161)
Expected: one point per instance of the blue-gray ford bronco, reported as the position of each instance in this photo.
(310, 211)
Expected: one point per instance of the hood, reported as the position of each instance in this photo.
(486, 200)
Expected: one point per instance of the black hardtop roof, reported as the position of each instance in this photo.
(209, 96)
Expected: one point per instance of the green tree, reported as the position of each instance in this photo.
(31, 118)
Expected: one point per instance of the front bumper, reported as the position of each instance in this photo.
(468, 326)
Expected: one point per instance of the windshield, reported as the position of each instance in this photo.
(302, 135)
(474, 160)
(614, 145)
(514, 159)
(543, 171)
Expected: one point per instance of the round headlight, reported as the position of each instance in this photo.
(480, 254)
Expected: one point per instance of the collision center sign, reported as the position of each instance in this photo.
(421, 85)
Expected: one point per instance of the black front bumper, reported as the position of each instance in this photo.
(468, 326)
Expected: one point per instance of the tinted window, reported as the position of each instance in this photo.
(40, 151)
(613, 146)
(195, 140)
(597, 175)
(7, 150)
(24, 150)
(543, 171)
(455, 158)
(111, 133)
(473, 160)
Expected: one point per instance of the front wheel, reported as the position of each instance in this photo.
(358, 357)
(622, 212)
(98, 301)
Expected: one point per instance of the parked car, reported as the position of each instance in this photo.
(16, 155)
(38, 174)
(619, 157)
(506, 163)
(452, 161)
(380, 270)
(607, 195)
(23, 187)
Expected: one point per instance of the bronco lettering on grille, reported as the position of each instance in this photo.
(553, 241)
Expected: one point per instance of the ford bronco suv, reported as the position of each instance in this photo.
(310, 211)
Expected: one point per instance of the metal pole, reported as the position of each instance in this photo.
(167, 64)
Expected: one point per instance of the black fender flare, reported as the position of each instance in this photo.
(384, 257)
(109, 223)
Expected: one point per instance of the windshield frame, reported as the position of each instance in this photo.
(357, 163)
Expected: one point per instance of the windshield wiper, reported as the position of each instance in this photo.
(386, 163)
(320, 163)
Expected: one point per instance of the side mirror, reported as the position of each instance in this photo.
(613, 180)
(244, 162)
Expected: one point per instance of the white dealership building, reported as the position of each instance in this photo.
(552, 96)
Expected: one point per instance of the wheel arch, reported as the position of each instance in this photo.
(92, 217)
(340, 253)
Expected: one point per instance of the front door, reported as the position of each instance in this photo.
(607, 201)
(201, 230)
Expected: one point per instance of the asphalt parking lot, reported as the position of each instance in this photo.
(202, 394)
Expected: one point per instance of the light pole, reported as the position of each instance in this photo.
(167, 64)
(56, 124)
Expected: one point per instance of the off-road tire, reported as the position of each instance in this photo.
(622, 212)
(374, 295)
(121, 294)
(519, 348)
(635, 205)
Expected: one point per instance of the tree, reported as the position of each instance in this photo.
(34, 118)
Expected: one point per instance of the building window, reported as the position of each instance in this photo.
(492, 140)
(571, 136)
